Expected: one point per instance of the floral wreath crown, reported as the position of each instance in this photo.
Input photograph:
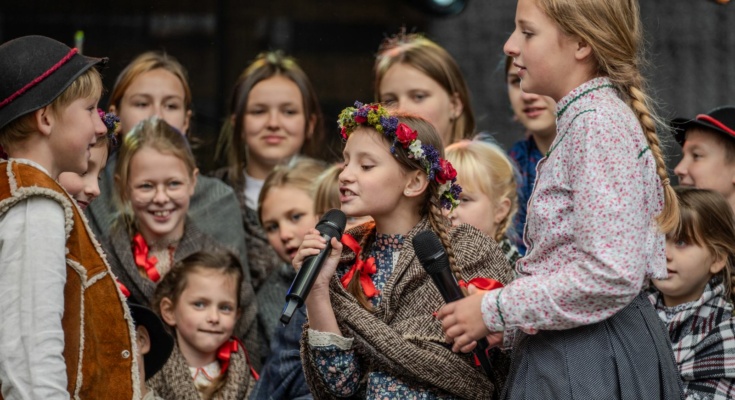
(437, 168)
(112, 123)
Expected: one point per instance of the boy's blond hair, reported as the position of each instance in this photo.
(88, 84)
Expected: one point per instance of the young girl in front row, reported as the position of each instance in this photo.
(595, 223)
(200, 300)
(489, 199)
(155, 176)
(371, 330)
(696, 300)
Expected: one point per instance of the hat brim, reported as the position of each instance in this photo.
(46, 91)
(161, 341)
(680, 126)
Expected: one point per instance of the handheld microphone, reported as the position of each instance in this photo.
(331, 225)
(433, 257)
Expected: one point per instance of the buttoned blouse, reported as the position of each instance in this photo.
(591, 230)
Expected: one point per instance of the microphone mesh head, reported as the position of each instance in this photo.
(333, 223)
(430, 252)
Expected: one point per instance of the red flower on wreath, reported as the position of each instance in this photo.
(343, 132)
(360, 119)
(405, 135)
(447, 172)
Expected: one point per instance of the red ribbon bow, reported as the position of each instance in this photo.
(366, 267)
(140, 252)
(123, 289)
(224, 353)
(481, 283)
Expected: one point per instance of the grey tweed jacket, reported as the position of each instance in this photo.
(401, 337)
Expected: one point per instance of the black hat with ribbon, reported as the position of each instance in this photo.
(720, 120)
(35, 70)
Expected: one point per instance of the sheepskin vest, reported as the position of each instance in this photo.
(99, 337)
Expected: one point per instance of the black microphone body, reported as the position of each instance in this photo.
(433, 257)
(331, 225)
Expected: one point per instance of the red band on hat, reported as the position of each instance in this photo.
(705, 117)
(40, 78)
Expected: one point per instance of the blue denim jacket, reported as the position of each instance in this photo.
(282, 377)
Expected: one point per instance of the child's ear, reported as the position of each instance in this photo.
(143, 339)
(187, 120)
(417, 183)
(167, 312)
(584, 50)
(44, 120)
(502, 210)
(194, 175)
(310, 126)
(719, 263)
(456, 107)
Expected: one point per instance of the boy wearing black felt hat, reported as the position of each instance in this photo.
(66, 330)
(154, 345)
(708, 146)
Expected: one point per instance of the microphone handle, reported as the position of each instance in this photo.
(308, 273)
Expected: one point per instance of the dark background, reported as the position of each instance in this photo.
(691, 44)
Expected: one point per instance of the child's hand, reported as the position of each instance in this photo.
(312, 244)
(462, 322)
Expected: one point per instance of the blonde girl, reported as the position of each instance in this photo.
(156, 84)
(372, 303)
(200, 300)
(696, 299)
(489, 199)
(416, 75)
(601, 202)
(286, 211)
(155, 178)
(274, 115)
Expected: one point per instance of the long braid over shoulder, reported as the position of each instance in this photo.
(613, 30)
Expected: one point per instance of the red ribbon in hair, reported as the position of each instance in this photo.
(481, 283)
(366, 267)
(224, 353)
(140, 252)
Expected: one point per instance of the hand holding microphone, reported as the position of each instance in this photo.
(315, 251)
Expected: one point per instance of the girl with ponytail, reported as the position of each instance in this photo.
(371, 332)
(596, 219)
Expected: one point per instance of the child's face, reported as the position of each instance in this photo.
(372, 181)
(536, 113)
(479, 210)
(159, 189)
(690, 267)
(85, 187)
(73, 132)
(204, 316)
(275, 124)
(705, 165)
(408, 89)
(288, 215)
(154, 93)
(544, 55)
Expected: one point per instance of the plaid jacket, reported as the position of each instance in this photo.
(703, 337)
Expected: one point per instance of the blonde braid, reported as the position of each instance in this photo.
(669, 217)
(439, 224)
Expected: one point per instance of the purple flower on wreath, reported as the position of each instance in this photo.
(390, 124)
(432, 159)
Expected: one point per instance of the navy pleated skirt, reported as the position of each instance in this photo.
(627, 356)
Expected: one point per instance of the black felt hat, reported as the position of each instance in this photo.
(720, 120)
(161, 341)
(35, 70)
